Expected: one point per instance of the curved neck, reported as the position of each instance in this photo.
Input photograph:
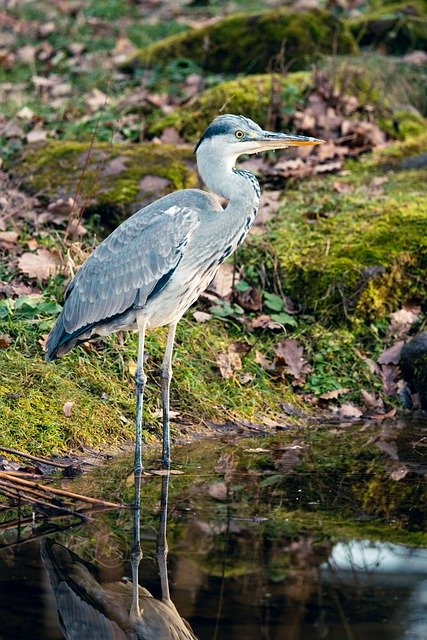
(217, 171)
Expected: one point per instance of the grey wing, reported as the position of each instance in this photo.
(128, 266)
(135, 262)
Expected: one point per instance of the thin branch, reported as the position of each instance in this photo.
(61, 492)
(15, 452)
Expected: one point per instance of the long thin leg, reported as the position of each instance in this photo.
(166, 371)
(136, 555)
(162, 543)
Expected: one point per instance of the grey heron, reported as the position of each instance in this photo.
(152, 267)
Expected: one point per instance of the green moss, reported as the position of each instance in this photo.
(110, 178)
(396, 27)
(251, 96)
(249, 44)
(365, 253)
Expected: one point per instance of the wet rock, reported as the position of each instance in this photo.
(413, 364)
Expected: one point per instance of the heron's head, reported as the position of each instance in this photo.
(232, 135)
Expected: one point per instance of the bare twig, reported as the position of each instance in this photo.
(60, 492)
(21, 454)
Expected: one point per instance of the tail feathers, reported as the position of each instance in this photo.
(60, 341)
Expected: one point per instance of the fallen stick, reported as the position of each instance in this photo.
(35, 458)
(61, 492)
(23, 492)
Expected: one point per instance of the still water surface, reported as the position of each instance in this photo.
(245, 562)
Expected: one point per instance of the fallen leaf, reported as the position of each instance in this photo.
(230, 362)
(349, 410)
(96, 100)
(42, 264)
(132, 367)
(67, 409)
(379, 417)
(36, 136)
(390, 375)
(8, 237)
(265, 363)
(402, 321)
(250, 300)
(5, 340)
(225, 278)
(264, 322)
(202, 316)
(342, 187)
(153, 184)
(170, 135)
(391, 355)
(244, 378)
(289, 351)
(218, 491)
(25, 114)
(370, 400)
(331, 395)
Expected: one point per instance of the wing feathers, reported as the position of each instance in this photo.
(127, 266)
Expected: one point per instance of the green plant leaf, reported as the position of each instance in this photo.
(272, 301)
(284, 318)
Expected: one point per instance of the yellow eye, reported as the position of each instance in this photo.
(239, 134)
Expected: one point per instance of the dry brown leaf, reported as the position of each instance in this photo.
(342, 187)
(391, 355)
(170, 135)
(25, 114)
(331, 395)
(349, 410)
(379, 417)
(390, 375)
(67, 409)
(244, 378)
(8, 237)
(265, 363)
(264, 322)
(222, 284)
(250, 300)
(42, 264)
(218, 491)
(36, 135)
(5, 341)
(370, 400)
(230, 362)
(291, 353)
(96, 99)
(202, 316)
(402, 321)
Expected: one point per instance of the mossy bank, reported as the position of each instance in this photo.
(278, 37)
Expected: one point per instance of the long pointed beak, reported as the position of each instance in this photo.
(271, 140)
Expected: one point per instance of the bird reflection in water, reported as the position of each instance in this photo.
(89, 610)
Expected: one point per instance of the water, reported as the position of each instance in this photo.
(301, 536)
